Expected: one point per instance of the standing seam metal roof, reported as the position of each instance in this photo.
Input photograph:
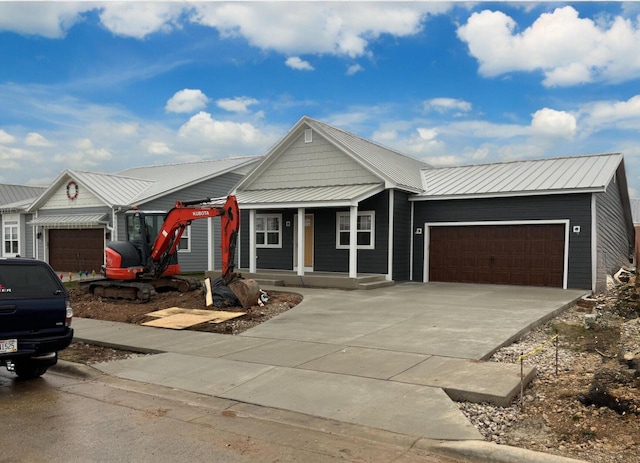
(591, 173)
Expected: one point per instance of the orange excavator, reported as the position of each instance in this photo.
(147, 261)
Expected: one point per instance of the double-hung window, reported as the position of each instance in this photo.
(269, 231)
(185, 240)
(11, 235)
(365, 230)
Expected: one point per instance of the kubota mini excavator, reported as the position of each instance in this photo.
(137, 267)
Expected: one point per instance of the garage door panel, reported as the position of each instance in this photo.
(500, 254)
(76, 249)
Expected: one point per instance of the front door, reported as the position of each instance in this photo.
(308, 242)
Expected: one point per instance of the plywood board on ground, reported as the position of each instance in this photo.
(179, 318)
(179, 321)
(176, 310)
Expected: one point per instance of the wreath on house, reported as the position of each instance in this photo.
(72, 190)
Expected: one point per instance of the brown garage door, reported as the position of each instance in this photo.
(76, 250)
(531, 255)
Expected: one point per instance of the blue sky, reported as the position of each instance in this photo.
(107, 86)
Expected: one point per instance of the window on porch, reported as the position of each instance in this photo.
(365, 230)
(269, 231)
(11, 237)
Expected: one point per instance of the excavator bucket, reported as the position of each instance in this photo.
(247, 291)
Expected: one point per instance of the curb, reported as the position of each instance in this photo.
(488, 452)
(64, 367)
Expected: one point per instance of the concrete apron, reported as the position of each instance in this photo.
(390, 358)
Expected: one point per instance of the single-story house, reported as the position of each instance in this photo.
(563, 222)
(16, 236)
(80, 212)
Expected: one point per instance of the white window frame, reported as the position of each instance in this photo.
(266, 218)
(185, 238)
(372, 232)
(11, 221)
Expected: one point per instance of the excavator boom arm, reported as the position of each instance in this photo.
(177, 220)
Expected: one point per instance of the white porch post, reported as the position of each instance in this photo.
(353, 241)
(211, 245)
(253, 256)
(390, 250)
(301, 222)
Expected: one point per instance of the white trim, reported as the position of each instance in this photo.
(186, 235)
(353, 242)
(508, 194)
(266, 231)
(389, 275)
(359, 214)
(12, 221)
(253, 255)
(299, 243)
(427, 236)
(210, 245)
(594, 243)
(411, 243)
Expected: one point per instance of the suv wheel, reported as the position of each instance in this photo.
(29, 369)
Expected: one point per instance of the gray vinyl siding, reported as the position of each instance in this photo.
(574, 207)
(401, 236)
(27, 236)
(614, 242)
(318, 163)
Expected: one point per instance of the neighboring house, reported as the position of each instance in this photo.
(16, 236)
(562, 222)
(80, 212)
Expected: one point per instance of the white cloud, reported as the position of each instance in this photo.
(223, 138)
(139, 19)
(354, 69)
(158, 148)
(35, 139)
(549, 122)
(598, 115)
(427, 134)
(443, 105)
(187, 101)
(6, 138)
(48, 19)
(569, 50)
(294, 62)
(237, 105)
(336, 28)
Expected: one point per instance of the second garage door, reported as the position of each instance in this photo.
(531, 255)
(76, 250)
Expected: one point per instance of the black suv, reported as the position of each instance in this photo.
(35, 316)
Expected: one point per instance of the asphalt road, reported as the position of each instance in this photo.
(97, 418)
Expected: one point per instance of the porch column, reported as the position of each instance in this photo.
(301, 241)
(253, 256)
(390, 249)
(353, 241)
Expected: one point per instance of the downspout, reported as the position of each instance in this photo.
(594, 243)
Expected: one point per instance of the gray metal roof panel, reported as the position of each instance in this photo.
(10, 194)
(115, 190)
(558, 174)
(169, 177)
(67, 221)
(342, 194)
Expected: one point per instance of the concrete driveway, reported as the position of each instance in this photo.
(390, 358)
(446, 319)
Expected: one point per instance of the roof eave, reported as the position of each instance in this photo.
(427, 197)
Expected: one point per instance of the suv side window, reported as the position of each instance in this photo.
(27, 281)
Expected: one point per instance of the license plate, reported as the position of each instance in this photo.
(8, 345)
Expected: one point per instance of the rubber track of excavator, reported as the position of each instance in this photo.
(116, 289)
